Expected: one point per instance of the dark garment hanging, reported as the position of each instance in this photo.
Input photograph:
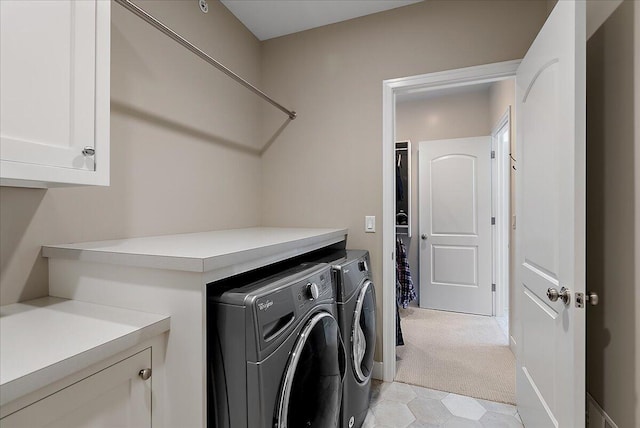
(406, 291)
(399, 185)
(399, 338)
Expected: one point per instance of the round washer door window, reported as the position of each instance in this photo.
(312, 388)
(363, 333)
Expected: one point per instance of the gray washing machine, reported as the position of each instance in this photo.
(356, 301)
(275, 354)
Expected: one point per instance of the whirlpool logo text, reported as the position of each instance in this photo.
(263, 306)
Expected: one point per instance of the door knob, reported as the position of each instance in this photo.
(424, 236)
(563, 295)
(592, 298)
(88, 151)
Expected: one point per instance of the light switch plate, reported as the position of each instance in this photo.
(370, 224)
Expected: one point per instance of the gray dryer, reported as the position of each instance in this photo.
(356, 299)
(274, 350)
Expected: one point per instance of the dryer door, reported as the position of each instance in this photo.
(363, 333)
(312, 388)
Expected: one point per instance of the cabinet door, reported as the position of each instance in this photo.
(113, 397)
(51, 79)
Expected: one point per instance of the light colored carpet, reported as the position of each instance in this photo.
(460, 353)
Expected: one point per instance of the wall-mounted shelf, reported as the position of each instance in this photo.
(403, 188)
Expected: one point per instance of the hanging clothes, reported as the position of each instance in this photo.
(399, 184)
(406, 292)
(399, 338)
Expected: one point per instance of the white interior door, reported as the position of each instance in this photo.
(550, 91)
(455, 225)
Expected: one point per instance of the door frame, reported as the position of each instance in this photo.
(501, 185)
(390, 88)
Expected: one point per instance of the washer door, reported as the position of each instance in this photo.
(312, 387)
(363, 333)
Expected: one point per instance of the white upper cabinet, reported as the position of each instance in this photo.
(54, 92)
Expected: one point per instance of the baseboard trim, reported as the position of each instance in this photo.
(378, 370)
(512, 345)
(597, 417)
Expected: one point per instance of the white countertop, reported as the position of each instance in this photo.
(47, 339)
(203, 251)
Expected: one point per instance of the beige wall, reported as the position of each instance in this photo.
(613, 218)
(185, 139)
(464, 114)
(179, 137)
(502, 95)
(325, 168)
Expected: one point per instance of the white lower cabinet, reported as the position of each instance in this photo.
(114, 396)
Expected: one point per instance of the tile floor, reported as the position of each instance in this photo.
(398, 405)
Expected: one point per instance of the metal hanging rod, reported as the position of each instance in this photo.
(127, 4)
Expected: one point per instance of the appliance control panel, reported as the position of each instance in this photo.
(317, 287)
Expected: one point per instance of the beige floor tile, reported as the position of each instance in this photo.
(464, 407)
(398, 405)
(393, 413)
(430, 410)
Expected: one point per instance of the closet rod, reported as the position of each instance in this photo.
(127, 4)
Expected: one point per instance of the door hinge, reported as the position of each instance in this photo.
(493, 287)
(493, 221)
(493, 154)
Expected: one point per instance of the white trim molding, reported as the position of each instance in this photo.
(376, 372)
(390, 88)
(500, 190)
(596, 416)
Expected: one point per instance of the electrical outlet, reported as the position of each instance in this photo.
(370, 224)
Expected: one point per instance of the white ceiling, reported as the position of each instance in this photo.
(267, 19)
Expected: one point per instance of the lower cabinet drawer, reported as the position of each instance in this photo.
(116, 396)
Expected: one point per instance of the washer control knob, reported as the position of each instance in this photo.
(313, 291)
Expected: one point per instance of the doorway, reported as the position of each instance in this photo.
(391, 90)
(550, 328)
(455, 135)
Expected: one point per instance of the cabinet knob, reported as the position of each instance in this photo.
(145, 374)
(88, 151)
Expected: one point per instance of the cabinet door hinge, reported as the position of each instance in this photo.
(493, 221)
(493, 154)
(493, 287)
